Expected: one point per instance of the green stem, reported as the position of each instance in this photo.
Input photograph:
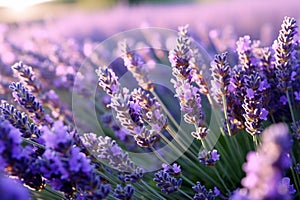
(185, 194)
(220, 178)
(273, 119)
(54, 192)
(164, 161)
(165, 109)
(290, 106)
(33, 143)
(255, 140)
(152, 190)
(226, 115)
(295, 175)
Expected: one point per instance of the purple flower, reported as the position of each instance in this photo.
(208, 158)
(107, 150)
(136, 65)
(243, 44)
(264, 85)
(19, 120)
(167, 182)
(202, 193)
(263, 114)
(285, 54)
(27, 77)
(250, 93)
(297, 95)
(28, 101)
(221, 76)
(283, 100)
(174, 170)
(66, 168)
(11, 189)
(16, 160)
(108, 81)
(125, 193)
(272, 157)
(57, 138)
(286, 185)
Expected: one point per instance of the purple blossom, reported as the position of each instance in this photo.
(167, 182)
(243, 44)
(56, 138)
(108, 81)
(28, 101)
(297, 95)
(285, 54)
(11, 189)
(136, 65)
(272, 157)
(27, 76)
(125, 193)
(250, 93)
(108, 151)
(283, 100)
(263, 114)
(203, 194)
(66, 168)
(174, 169)
(208, 158)
(221, 76)
(286, 185)
(16, 160)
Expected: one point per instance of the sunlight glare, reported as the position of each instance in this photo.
(20, 5)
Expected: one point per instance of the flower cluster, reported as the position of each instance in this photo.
(208, 157)
(203, 193)
(108, 151)
(136, 65)
(66, 168)
(273, 157)
(186, 73)
(12, 189)
(16, 160)
(165, 179)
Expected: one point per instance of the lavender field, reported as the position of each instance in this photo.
(150, 100)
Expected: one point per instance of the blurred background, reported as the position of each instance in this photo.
(101, 18)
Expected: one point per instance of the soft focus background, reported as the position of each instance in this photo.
(100, 19)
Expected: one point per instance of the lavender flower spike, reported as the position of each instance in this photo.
(190, 103)
(129, 114)
(67, 169)
(125, 193)
(107, 150)
(108, 81)
(265, 169)
(19, 120)
(27, 76)
(136, 65)
(284, 48)
(202, 193)
(11, 189)
(221, 77)
(29, 102)
(152, 111)
(208, 158)
(166, 181)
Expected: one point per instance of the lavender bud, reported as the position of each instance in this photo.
(136, 65)
(166, 182)
(284, 48)
(208, 158)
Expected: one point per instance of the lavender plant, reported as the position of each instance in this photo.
(254, 87)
